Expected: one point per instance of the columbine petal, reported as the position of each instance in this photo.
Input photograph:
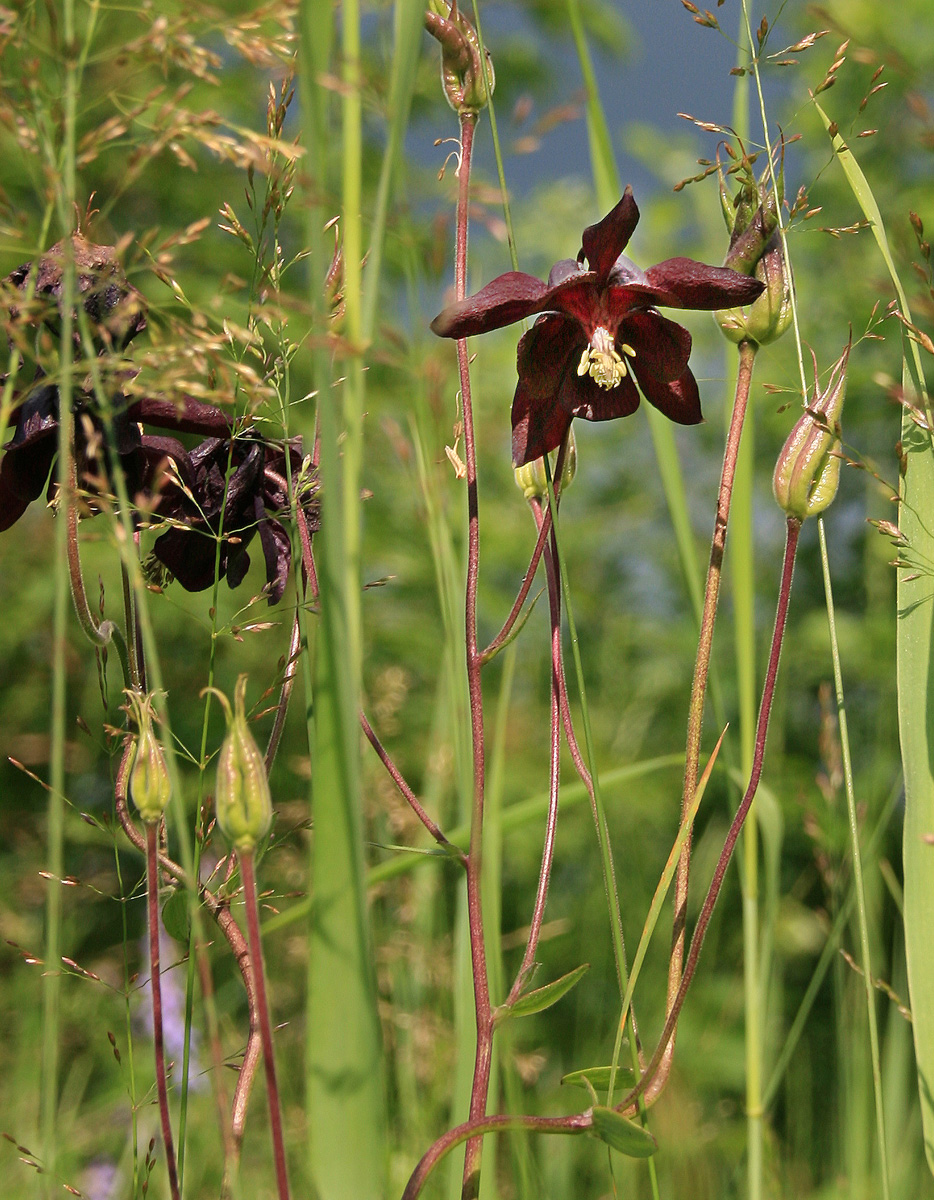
(603, 243)
(509, 298)
(696, 285)
(581, 397)
(536, 427)
(679, 400)
(662, 347)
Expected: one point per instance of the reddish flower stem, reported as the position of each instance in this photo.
(577, 1123)
(481, 986)
(544, 527)
(551, 822)
(747, 356)
(262, 1009)
(408, 795)
(648, 1083)
(152, 886)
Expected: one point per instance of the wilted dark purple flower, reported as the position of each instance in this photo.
(232, 488)
(116, 309)
(600, 334)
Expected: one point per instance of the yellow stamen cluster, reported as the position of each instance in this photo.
(602, 362)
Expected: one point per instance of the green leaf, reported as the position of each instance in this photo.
(544, 997)
(599, 1078)
(623, 1135)
(175, 915)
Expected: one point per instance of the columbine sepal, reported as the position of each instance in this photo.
(808, 469)
(242, 800)
(149, 784)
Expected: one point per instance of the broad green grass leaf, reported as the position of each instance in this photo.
(915, 609)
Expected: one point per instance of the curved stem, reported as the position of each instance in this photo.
(285, 693)
(262, 1009)
(576, 1124)
(408, 795)
(747, 355)
(551, 821)
(152, 883)
(106, 632)
(660, 1060)
(503, 636)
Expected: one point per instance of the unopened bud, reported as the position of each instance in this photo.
(242, 799)
(532, 480)
(770, 314)
(808, 469)
(464, 66)
(149, 785)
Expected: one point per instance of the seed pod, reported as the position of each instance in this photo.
(463, 78)
(150, 786)
(242, 799)
(808, 469)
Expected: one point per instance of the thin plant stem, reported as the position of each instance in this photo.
(484, 1016)
(262, 1007)
(551, 820)
(544, 527)
(152, 888)
(661, 1058)
(406, 792)
(865, 957)
(747, 354)
(576, 1124)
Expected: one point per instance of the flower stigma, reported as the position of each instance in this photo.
(601, 360)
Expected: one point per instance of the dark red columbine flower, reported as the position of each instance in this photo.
(600, 333)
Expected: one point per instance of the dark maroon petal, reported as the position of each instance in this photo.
(603, 243)
(237, 565)
(277, 551)
(191, 416)
(678, 400)
(695, 285)
(582, 397)
(537, 426)
(189, 556)
(506, 299)
(23, 474)
(662, 347)
(544, 354)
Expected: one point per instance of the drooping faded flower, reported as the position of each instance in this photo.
(230, 489)
(601, 339)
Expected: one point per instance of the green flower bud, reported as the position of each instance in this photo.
(767, 318)
(463, 78)
(808, 469)
(242, 799)
(149, 784)
(752, 217)
(531, 478)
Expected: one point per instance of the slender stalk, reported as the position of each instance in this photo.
(484, 1015)
(576, 1124)
(551, 821)
(660, 1060)
(747, 355)
(152, 888)
(865, 958)
(262, 1007)
(408, 795)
